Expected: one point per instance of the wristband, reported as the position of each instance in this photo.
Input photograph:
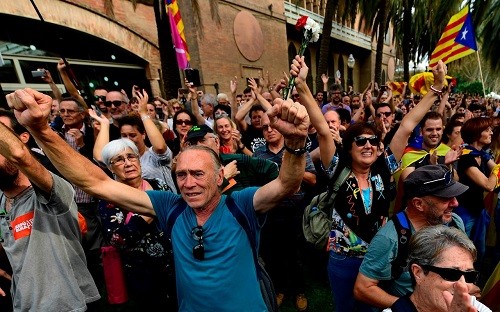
(296, 152)
(145, 117)
(436, 91)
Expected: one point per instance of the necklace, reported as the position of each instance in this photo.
(366, 194)
(18, 194)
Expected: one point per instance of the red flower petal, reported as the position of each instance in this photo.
(301, 22)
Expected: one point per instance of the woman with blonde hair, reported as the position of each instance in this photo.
(230, 137)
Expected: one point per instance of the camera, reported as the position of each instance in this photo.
(37, 73)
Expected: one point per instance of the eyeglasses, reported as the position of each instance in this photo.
(175, 108)
(120, 160)
(183, 122)
(361, 140)
(386, 114)
(199, 249)
(453, 275)
(69, 111)
(100, 97)
(446, 178)
(114, 103)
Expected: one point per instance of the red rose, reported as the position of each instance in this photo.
(301, 22)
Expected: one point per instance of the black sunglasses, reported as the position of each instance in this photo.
(386, 114)
(361, 140)
(100, 97)
(452, 275)
(115, 103)
(183, 122)
(199, 249)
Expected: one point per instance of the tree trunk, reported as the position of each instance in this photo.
(324, 48)
(170, 80)
(380, 42)
(407, 38)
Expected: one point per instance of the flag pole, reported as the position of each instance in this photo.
(480, 72)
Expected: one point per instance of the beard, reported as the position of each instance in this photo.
(8, 175)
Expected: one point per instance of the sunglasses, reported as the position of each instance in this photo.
(361, 140)
(446, 178)
(452, 275)
(386, 114)
(199, 249)
(176, 108)
(100, 97)
(114, 103)
(183, 122)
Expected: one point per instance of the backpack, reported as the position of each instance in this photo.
(265, 282)
(317, 218)
(402, 225)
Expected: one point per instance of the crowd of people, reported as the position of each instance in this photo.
(140, 200)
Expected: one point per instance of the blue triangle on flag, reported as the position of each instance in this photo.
(466, 36)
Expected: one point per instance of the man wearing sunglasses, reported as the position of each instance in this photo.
(431, 197)
(441, 262)
(215, 268)
(100, 100)
(117, 105)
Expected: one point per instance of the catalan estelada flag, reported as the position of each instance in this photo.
(178, 38)
(458, 39)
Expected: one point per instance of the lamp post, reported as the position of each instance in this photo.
(350, 64)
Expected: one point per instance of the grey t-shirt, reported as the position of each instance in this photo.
(42, 239)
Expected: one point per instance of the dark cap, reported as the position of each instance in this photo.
(434, 180)
(197, 132)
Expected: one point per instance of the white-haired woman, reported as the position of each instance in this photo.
(143, 248)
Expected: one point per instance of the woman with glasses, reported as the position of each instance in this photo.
(230, 137)
(142, 246)
(183, 121)
(441, 263)
(474, 169)
(363, 167)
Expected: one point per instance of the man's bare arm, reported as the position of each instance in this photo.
(17, 153)
(368, 291)
(31, 109)
(292, 121)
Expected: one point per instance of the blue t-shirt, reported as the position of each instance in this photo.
(226, 280)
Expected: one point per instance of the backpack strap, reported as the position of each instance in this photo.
(179, 207)
(332, 192)
(403, 230)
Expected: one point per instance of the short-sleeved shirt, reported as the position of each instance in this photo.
(226, 280)
(382, 251)
(42, 240)
(472, 199)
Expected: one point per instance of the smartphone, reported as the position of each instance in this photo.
(337, 74)
(37, 73)
(183, 90)
(193, 76)
(383, 87)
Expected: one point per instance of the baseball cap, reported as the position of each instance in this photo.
(197, 132)
(434, 180)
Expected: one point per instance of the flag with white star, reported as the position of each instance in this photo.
(458, 39)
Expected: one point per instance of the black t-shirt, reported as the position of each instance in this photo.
(472, 199)
(253, 138)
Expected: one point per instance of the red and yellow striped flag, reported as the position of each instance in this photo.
(397, 87)
(178, 38)
(458, 39)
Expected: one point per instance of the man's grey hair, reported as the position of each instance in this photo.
(115, 147)
(428, 244)
(209, 99)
